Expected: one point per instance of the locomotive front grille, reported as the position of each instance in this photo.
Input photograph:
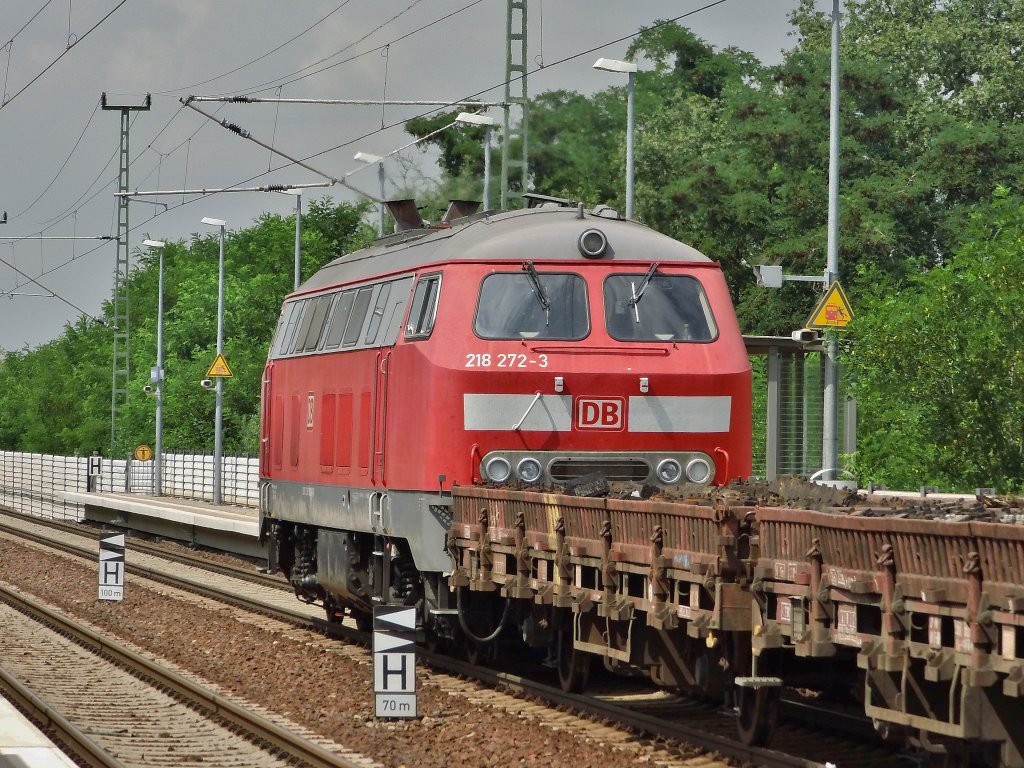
(621, 470)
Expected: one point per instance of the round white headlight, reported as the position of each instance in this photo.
(698, 471)
(497, 469)
(528, 470)
(669, 471)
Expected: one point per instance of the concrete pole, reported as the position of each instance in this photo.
(487, 167)
(218, 439)
(158, 467)
(830, 440)
(380, 205)
(298, 238)
(630, 124)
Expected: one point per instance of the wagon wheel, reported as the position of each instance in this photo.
(758, 711)
(335, 613)
(573, 664)
(477, 654)
(363, 620)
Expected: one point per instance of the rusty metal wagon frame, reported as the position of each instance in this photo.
(933, 609)
(677, 570)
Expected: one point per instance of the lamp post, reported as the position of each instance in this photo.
(366, 157)
(629, 68)
(298, 233)
(488, 123)
(157, 374)
(218, 426)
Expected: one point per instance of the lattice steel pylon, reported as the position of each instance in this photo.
(516, 107)
(119, 382)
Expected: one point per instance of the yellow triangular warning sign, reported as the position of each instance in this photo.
(833, 311)
(219, 368)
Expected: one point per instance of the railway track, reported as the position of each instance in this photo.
(672, 721)
(113, 707)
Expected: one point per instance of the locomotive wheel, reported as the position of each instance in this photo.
(758, 711)
(573, 665)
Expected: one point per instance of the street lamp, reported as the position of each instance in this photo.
(470, 118)
(629, 68)
(366, 157)
(156, 375)
(218, 437)
(298, 233)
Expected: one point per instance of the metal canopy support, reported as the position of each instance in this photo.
(771, 469)
(515, 122)
(119, 384)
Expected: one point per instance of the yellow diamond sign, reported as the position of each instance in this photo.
(833, 311)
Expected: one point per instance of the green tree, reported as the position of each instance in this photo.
(937, 365)
(56, 398)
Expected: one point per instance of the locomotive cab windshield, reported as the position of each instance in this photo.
(658, 307)
(532, 305)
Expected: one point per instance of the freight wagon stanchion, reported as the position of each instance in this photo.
(521, 588)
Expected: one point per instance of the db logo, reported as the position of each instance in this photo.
(599, 414)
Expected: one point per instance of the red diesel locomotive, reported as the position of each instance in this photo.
(537, 346)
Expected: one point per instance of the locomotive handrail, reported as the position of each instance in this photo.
(518, 424)
(625, 351)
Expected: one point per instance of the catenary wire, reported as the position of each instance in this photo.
(59, 170)
(63, 53)
(23, 26)
(258, 58)
(157, 215)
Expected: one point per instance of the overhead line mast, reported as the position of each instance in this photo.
(119, 384)
(515, 70)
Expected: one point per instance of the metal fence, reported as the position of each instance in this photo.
(32, 483)
(788, 413)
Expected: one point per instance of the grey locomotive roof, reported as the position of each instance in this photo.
(547, 233)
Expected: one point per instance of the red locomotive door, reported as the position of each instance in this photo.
(380, 411)
(265, 430)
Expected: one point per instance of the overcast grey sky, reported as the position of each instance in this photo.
(59, 151)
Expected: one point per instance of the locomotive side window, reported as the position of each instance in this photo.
(303, 326)
(355, 319)
(286, 328)
(318, 314)
(657, 307)
(340, 319)
(424, 307)
(530, 304)
(378, 313)
(394, 313)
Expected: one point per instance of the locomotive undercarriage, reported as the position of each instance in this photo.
(347, 571)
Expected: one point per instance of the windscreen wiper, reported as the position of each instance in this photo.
(638, 293)
(538, 289)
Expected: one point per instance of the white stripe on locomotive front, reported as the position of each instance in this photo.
(692, 413)
(500, 413)
(553, 413)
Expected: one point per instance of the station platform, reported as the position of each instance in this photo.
(229, 528)
(22, 744)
